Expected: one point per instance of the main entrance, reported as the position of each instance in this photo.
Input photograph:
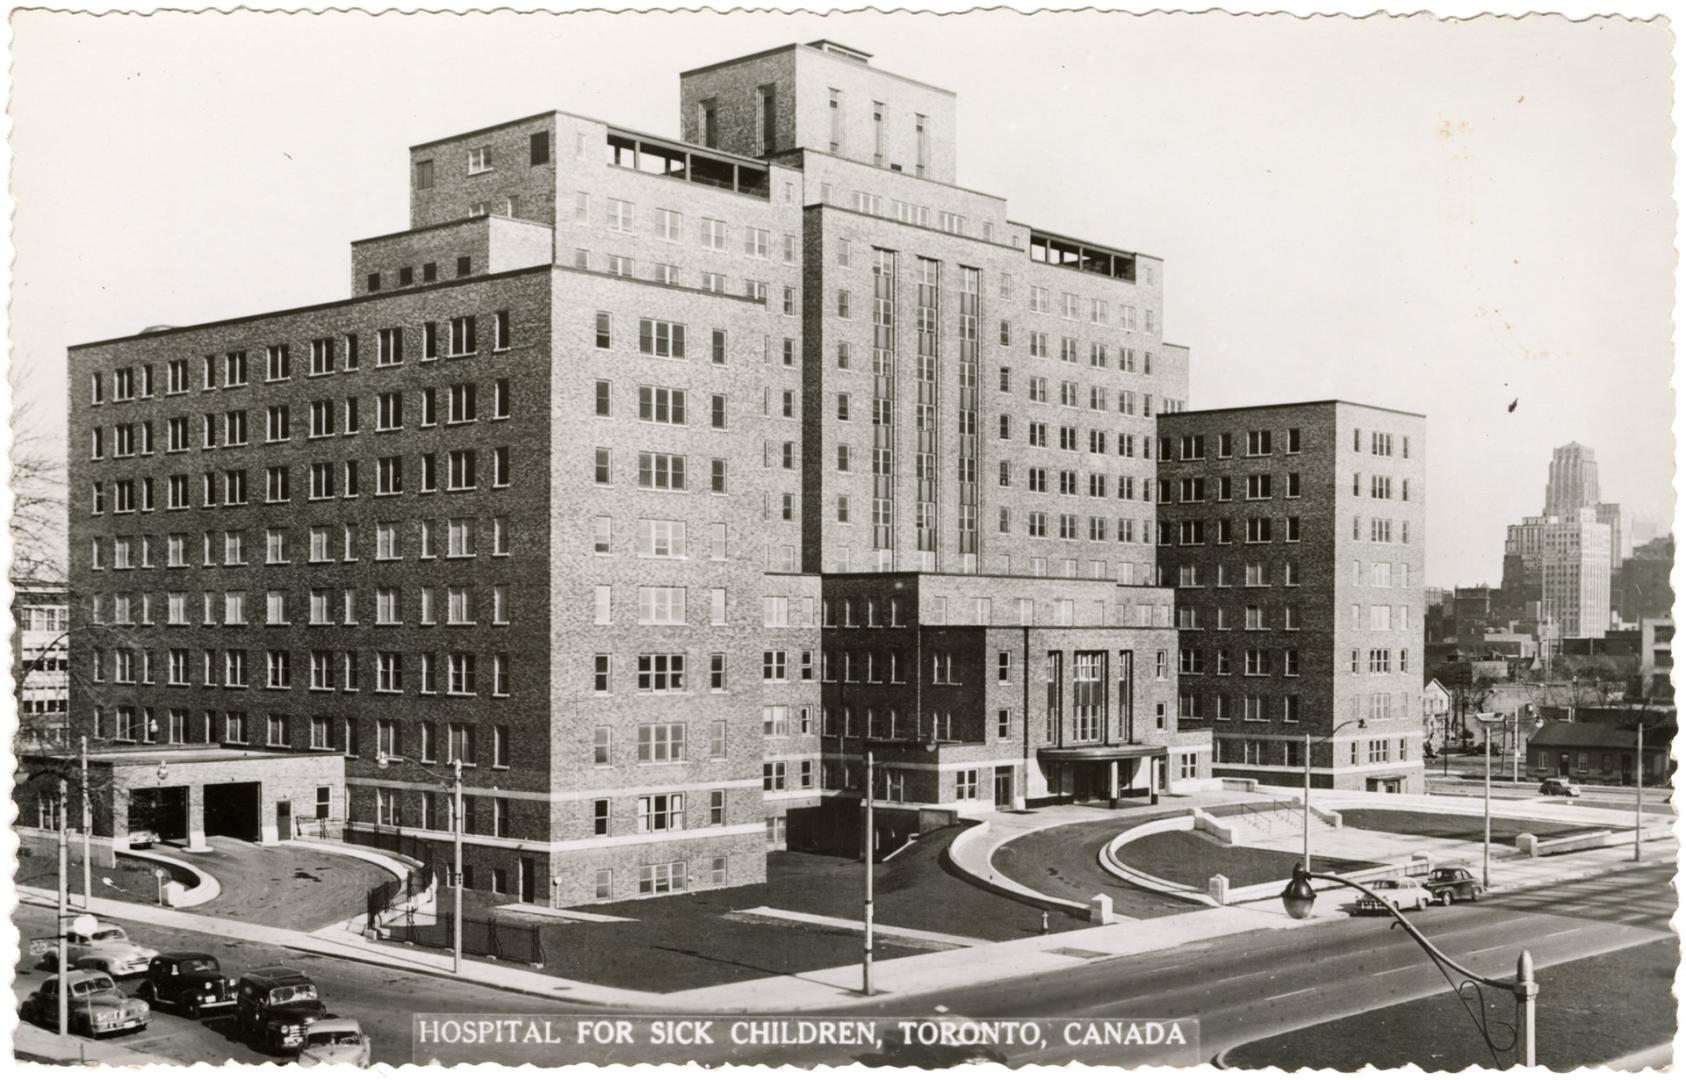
(233, 810)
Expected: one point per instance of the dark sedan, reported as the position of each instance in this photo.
(190, 982)
(1451, 883)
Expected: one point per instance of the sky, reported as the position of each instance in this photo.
(1451, 218)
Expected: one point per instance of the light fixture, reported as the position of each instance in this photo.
(1298, 896)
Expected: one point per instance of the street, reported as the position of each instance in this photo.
(381, 998)
(1241, 988)
(1247, 987)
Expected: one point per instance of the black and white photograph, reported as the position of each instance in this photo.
(816, 538)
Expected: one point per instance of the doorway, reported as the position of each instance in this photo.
(1003, 786)
(529, 880)
(233, 810)
(284, 819)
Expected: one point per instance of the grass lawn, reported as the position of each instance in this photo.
(1464, 827)
(1590, 1011)
(692, 940)
(1191, 860)
(131, 879)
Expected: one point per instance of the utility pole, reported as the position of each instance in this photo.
(1638, 788)
(456, 916)
(1305, 808)
(64, 909)
(87, 828)
(866, 955)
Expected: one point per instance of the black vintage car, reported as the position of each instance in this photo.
(192, 983)
(1451, 883)
(273, 1006)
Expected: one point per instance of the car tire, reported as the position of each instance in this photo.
(192, 1010)
(1446, 898)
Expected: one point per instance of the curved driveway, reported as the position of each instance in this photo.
(1064, 862)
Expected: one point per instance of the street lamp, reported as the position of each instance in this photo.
(382, 761)
(1306, 814)
(1298, 898)
(1488, 722)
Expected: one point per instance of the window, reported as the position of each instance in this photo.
(657, 337)
(661, 813)
(661, 673)
(661, 743)
(661, 472)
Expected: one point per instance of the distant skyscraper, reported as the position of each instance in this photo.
(1573, 484)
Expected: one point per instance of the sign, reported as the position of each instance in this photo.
(40, 946)
(160, 873)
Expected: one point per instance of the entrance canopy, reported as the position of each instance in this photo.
(1119, 752)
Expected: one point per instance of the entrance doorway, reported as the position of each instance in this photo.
(529, 880)
(1003, 786)
(233, 810)
(284, 819)
(1387, 786)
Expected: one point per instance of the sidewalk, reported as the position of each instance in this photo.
(839, 986)
(30, 1043)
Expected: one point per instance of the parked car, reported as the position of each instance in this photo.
(97, 1006)
(1556, 785)
(106, 948)
(190, 982)
(143, 838)
(1451, 883)
(336, 1041)
(1399, 894)
(274, 1005)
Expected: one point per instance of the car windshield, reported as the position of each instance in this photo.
(111, 933)
(198, 967)
(283, 995)
(98, 984)
(333, 1038)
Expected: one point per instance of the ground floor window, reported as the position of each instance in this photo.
(966, 784)
(775, 832)
(500, 880)
(658, 878)
(1187, 766)
(603, 886)
(717, 870)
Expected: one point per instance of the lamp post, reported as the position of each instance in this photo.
(1299, 896)
(1488, 721)
(1305, 815)
(866, 954)
(87, 827)
(382, 761)
(1638, 788)
(64, 910)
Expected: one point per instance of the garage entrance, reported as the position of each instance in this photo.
(161, 809)
(233, 810)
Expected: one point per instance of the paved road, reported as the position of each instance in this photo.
(1250, 986)
(382, 998)
(1241, 988)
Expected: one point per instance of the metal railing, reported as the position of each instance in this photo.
(520, 943)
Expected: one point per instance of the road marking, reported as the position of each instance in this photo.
(1397, 970)
(1291, 993)
(1570, 930)
(1492, 948)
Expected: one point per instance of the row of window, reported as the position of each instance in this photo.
(669, 605)
(1255, 575)
(329, 669)
(452, 538)
(329, 355)
(454, 605)
(453, 405)
(406, 275)
(479, 160)
(454, 471)
(1290, 752)
(1258, 487)
(1259, 530)
(431, 741)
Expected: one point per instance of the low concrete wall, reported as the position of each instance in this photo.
(205, 889)
(1112, 864)
(1215, 826)
(975, 847)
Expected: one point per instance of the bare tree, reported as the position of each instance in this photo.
(40, 486)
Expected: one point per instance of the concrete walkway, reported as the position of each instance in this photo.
(953, 941)
(837, 987)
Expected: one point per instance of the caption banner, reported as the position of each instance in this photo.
(922, 1041)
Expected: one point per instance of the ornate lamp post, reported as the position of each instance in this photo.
(1299, 897)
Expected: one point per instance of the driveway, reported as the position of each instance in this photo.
(291, 887)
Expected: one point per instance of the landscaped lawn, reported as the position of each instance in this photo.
(1465, 827)
(131, 880)
(1192, 860)
(693, 940)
